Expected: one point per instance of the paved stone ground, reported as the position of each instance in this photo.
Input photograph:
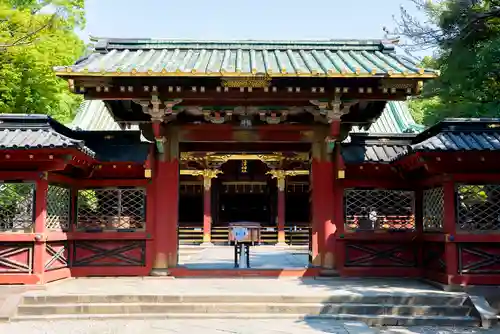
(437, 330)
(237, 286)
(220, 326)
(261, 257)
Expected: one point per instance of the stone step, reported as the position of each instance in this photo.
(427, 299)
(371, 320)
(231, 308)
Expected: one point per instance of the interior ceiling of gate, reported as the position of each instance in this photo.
(273, 160)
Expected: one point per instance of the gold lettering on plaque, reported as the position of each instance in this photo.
(257, 81)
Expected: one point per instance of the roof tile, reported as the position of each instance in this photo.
(225, 58)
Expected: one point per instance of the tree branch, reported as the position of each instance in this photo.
(22, 40)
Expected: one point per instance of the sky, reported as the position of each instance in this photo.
(236, 20)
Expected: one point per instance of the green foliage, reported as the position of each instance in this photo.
(35, 36)
(467, 37)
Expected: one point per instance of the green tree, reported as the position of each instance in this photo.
(466, 37)
(35, 36)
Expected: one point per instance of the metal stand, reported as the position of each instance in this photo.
(241, 252)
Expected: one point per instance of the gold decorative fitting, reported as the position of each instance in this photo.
(147, 173)
(269, 71)
(134, 71)
(358, 71)
(341, 174)
(86, 70)
(163, 71)
(314, 72)
(193, 71)
(283, 71)
(390, 72)
(118, 70)
(150, 72)
(68, 69)
(493, 126)
(421, 71)
(254, 71)
(373, 71)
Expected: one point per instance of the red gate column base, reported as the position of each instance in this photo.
(329, 273)
(160, 272)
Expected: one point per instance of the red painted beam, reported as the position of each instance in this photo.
(109, 271)
(20, 279)
(433, 237)
(19, 175)
(61, 179)
(380, 272)
(380, 236)
(486, 238)
(89, 183)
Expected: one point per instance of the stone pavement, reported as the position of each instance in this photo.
(220, 326)
(261, 257)
(436, 330)
(236, 286)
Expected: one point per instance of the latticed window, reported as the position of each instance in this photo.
(433, 209)
(379, 209)
(17, 206)
(478, 207)
(58, 208)
(111, 209)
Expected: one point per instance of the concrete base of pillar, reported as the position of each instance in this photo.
(329, 273)
(160, 272)
(206, 244)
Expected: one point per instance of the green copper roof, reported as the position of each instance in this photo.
(396, 118)
(330, 58)
(93, 115)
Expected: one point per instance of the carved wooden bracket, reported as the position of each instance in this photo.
(332, 110)
(160, 111)
(273, 117)
(280, 176)
(217, 117)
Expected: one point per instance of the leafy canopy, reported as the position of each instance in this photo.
(35, 36)
(466, 35)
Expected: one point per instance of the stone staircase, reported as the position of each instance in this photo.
(373, 309)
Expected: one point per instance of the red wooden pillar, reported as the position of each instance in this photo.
(338, 207)
(166, 206)
(39, 255)
(323, 228)
(207, 210)
(208, 175)
(450, 228)
(281, 212)
(150, 207)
